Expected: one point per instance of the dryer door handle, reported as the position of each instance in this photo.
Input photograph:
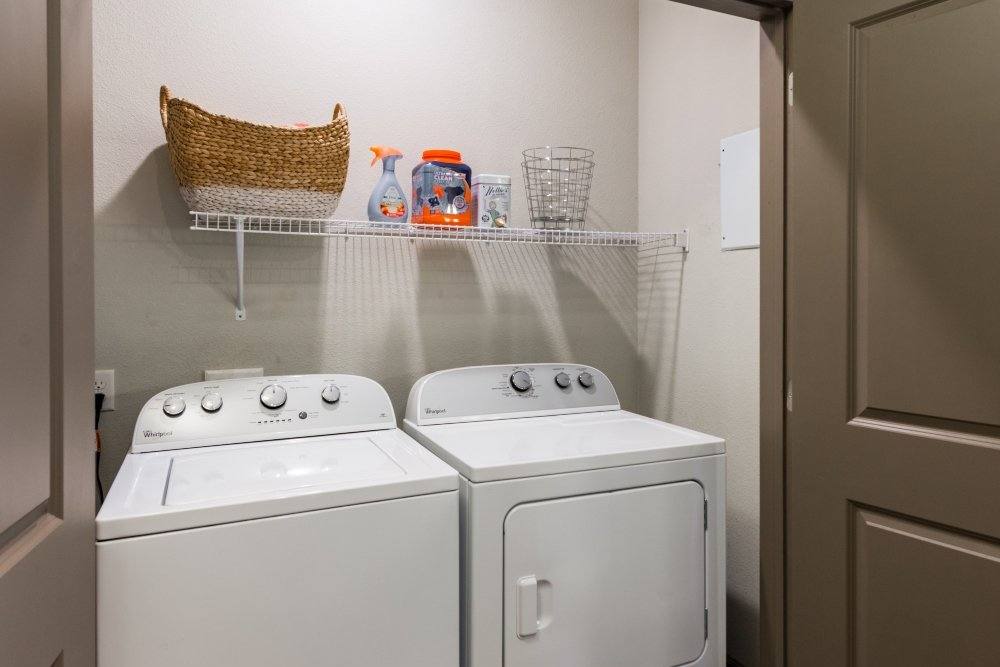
(527, 606)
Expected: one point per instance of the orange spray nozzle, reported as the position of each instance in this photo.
(381, 152)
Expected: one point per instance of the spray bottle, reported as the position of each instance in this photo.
(387, 203)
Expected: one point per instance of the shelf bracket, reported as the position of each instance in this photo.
(684, 240)
(241, 311)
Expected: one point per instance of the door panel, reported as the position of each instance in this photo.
(606, 579)
(47, 598)
(24, 144)
(893, 328)
(946, 578)
(924, 206)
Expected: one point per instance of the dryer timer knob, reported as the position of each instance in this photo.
(520, 381)
(586, 380)
(562, 381)
(273, 396)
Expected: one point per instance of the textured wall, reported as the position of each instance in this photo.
(489, 79)
(698, 315)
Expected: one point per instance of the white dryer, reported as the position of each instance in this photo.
(278, 521)
(591, 536)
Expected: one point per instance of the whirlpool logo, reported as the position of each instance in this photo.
(433, 411)
(156, 434)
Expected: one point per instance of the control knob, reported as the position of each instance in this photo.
(174, 406)
(520, 381)
(211, 402)
(586, 380)
(562, 380)
(330, 393)
(273, 396)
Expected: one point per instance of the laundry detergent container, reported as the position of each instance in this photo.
(442, 191)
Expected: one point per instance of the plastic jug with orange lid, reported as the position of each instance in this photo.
(442, 191)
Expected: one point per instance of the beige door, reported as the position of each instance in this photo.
(47, 606)
(893, 434)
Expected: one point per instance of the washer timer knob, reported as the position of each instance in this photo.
(211, 402)
(562, 380)
(174, 406)
(586, 380)
(520, 381)
(273, 396)
(330, 393)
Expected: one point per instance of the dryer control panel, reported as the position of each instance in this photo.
(479, 393)
(226, 412)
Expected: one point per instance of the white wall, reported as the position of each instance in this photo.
(698, 315)
(489, 79)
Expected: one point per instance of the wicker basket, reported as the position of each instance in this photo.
(224, 165)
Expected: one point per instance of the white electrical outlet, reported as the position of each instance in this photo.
(104, 383)
(233, 373)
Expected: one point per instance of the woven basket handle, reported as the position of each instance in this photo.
(338, 111)
(164, 102)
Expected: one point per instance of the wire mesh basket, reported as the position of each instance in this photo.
(557, 181)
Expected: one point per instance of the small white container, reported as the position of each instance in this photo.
(491, 200)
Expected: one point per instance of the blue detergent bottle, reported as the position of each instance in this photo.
(387, 203)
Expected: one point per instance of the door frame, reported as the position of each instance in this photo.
(774, 73)
(773, 16)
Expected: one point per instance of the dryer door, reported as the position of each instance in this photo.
(606, 579)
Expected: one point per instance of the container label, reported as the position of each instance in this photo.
(492, 204)
(391, 204)
(438, 190)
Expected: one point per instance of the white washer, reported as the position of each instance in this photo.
(591, 536)
(278, 521)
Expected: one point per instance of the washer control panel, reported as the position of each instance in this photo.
(254, 409)
(499, 392)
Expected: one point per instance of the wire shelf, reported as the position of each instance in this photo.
(226, 222)
(256, 224)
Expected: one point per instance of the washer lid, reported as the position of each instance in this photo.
(511, 448)
(174, 490)
(214, 476)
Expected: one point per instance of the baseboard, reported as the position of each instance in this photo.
(733, 662)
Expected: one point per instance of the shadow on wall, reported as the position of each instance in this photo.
(660, 283)
(593, 295)
(448, 289)
(143, 212)
(390, 309)
(166, 298)
(149, 193)
(497, 290)
(526, 303)
(744, 614)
